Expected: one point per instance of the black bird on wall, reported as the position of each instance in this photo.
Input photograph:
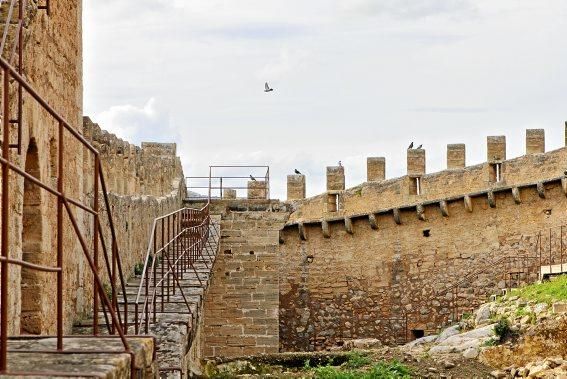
(410, 146)
(297, 172)
(419, 147)
(253, 178)
(267, 88)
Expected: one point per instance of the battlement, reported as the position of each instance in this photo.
(418, 186)
(153, 169)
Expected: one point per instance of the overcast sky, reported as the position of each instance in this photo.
(352, 78)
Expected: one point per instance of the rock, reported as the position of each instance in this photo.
(534, 370)
(422, 341)
(471, 352)
(448, 364)
(442, 349)
(365, 343)
(482, 315)
(498, 374)
(523, 372)
(560, 307)
(540, 308)
(451, 331)
(432, 369)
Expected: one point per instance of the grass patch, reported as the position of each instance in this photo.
(381, 370)
(546, 292)
(357, 360)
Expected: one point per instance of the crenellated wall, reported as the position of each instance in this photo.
(398, 192)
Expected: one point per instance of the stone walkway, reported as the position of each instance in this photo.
(175, 325)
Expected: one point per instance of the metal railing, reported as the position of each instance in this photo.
(178, 241)
(220, 183)
(65, 210)
(515, 270)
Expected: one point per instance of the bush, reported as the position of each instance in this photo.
(502, 328)
(139, 269)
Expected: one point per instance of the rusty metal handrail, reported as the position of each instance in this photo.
(178, 239)
(64, 203)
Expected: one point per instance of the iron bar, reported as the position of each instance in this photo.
(5, 221)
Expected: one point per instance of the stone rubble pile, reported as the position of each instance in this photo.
(477, 333)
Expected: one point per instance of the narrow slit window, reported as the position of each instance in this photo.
(415, 186)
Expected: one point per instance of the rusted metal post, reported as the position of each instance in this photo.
(5, 220)
(95, 242)
(60, 178)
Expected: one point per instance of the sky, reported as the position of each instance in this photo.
(352, 79)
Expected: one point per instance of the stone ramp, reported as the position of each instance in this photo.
(83, 357)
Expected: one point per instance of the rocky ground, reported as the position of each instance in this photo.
(523, 334)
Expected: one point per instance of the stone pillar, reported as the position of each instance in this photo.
(456, 156)
(416, 162)
(257, 190)
(295, 187)
(535, 141)
(375, 169)
(228, 193)
(335, 178)
(496, 148)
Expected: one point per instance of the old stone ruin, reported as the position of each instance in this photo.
(111, 267)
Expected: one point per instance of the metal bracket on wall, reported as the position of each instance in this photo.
(45, 7)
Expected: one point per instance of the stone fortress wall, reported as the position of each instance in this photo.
(143, 182)
(355, 263)
(361, 262)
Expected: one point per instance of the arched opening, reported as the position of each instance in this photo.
(31, 320)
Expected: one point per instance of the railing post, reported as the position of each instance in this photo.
(5, 220)
(95, 242)
(60, 179)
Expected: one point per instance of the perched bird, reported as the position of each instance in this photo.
(297, 172)
(340, 164)
(253, 178)
(410, 146)
(267, 88)
(419, 147)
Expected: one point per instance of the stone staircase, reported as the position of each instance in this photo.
(175, 325)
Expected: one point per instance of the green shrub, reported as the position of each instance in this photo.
(502, 328)
(139, 269)
(392, 370)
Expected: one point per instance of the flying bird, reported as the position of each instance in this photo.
(297, 172)
(410, 146)
(267, 88)
(419, 147)
(253, 178)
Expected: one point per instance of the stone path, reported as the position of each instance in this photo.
(176, 324)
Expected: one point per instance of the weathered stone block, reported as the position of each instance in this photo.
(495, 148)
(257, 190)
(456, 156)
(535, 141)
(229, 193)
(375, 169)
(296, 187)
(416, 162)
(335, 178)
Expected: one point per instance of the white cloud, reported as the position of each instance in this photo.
(137, 124)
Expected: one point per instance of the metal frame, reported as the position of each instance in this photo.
(65, 206)
(222, 185)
